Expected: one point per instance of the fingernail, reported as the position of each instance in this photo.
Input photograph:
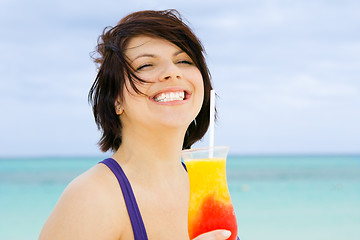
(226, 233)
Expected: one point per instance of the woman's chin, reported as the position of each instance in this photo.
(174, 122)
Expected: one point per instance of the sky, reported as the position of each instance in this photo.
(287, 73)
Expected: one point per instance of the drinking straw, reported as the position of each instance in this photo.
(212, 122)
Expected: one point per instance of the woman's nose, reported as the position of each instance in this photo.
(170, 71)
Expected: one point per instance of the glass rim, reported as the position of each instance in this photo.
(203, 148)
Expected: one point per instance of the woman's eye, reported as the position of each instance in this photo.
(143, 66)
(186, 62)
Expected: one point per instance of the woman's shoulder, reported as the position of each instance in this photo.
(93, 187)
(90, 204)
(97, 182)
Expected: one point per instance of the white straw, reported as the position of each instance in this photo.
(212, 121)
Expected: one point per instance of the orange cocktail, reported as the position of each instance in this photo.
(210, 205)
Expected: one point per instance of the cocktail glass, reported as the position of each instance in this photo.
(210, 205)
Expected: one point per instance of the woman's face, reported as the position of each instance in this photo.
(174, 96)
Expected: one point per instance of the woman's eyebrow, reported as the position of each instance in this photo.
(178, 52)
(154, 56)
(144, 55)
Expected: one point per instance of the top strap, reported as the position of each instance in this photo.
(129, 198)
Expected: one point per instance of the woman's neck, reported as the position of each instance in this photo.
(151, 151)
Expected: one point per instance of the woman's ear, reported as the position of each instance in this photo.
(118, 108)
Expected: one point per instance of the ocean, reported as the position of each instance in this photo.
(275, 197)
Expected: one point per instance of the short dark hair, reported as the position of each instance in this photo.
(114, 69)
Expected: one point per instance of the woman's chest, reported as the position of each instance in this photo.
(165, 213)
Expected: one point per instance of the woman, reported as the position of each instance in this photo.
(151, 100)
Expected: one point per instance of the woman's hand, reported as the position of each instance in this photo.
(214, 235)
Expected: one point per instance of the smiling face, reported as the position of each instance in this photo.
(175, 89)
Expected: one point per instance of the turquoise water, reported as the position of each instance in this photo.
(277, 198)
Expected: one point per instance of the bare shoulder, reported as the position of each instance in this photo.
(91, 207)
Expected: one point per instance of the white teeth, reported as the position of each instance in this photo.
(170, 96)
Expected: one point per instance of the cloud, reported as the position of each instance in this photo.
(312, 87)
(298, 91)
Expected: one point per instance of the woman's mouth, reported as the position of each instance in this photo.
(171, 96)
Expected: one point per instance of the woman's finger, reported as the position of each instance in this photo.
(214, 235)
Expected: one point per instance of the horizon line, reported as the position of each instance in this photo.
(284, 154)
